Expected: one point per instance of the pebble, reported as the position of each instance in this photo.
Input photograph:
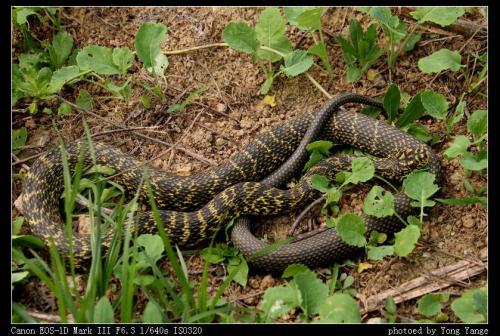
(267, 282)
(467, 222)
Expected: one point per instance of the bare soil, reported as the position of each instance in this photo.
(230, 112)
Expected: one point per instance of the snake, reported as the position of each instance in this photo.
(248, 183)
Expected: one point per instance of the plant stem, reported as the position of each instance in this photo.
(387, 182)
(183, 51)
(318, 86)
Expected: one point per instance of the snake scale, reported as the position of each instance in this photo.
(195, 205)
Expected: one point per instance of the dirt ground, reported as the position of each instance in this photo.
(230, 112)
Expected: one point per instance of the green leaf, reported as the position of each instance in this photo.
(103, 311)
(267, 83)
(19, 138)
(413, 111)
(64, 109)
(312, 291)
(434, 103)
(270, 32)
(443, 59)
(19, 276)
(443, 16)
(61, 77)
(340, 308)
(212, 255)
(121, 90)
(420, 132)
(293, 269)
(391, 25)
(477, 124)
(320, 183)
(60, 49)
(457, 116)
(412, 41)
(84, 99)
(310, 19)
(146, 101)
(322, 146)
(20, 15)
(362, 170)
(17, 223)
(187, 101)
(292, 13)
(279, 300)
(429, 304)
(464, 201)
(148, 40)
(457, 147)
(98, 59)
(240, 37)
(371, 111)
(152, 313)
(152, 244)
(123, 58)
(296, 63)
(351, 228)
(27, 240)
(240, 264)
(471, 307)
(475, 162)
(379, 202)
(390, 305)
(353, 73)
(319, 49)
(392, 99)
(420, 186)
(405, 240)
(379, 252)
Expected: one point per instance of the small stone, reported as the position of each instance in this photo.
(221, 107)
(468, 222)
(267, 282)
(254, 283)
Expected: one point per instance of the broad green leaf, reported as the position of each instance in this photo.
(296, 63)
(21, 14)
(103, 311)
(17, 223)
(351, 228)
(64, 109)
(212, 255)
(310, 19)
(475, 162)
(152, 244)
(392, 99)
(322, 146)
(334, 195)
(19, 276)
(27, 240)
(63, 76)
(390, 305)
(477, 123)
(464, 201)
(443, 16)
(148, 40)
(362, 170)
(279, 300)
(60, 49)
(456, 117)
(293, 269)
(443, 59)
(320, 183)
(19, 138)
(84, 99)
(239, 264)
(379, 252)
(405, 240)
(434, 103)
(412, 40)
(292, 13)
(240, 37)
(457, 147)
(152, 313)
(379, 202)
(371, 111)
(429, 304)
(393, 27)
(340, 308)
(312, 291)
(146, 101)
(413, 111)
(420, 132)
(353, 73)
(471, 307)
(98, 59)
(270, 32)
(420, 186)
(319, 49)
(123, 58)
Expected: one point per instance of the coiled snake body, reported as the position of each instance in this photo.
(219, 193)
